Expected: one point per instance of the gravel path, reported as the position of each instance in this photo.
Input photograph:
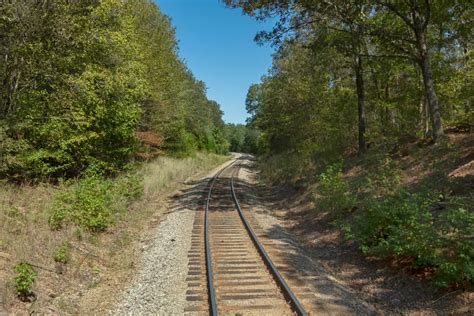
(160, 287)
(331, 296)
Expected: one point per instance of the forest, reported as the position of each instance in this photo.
(89, 84)
(363, 85)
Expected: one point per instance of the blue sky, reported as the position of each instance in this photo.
(217, 44)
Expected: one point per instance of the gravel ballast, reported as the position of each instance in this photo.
(160, 286)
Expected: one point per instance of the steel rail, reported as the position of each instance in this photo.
(287, 292)
(210, 276)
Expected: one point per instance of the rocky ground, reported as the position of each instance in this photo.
(391, 291)
(160, 286)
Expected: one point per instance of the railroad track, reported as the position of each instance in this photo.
(229, 270)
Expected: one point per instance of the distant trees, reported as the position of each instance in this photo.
(400, 63)
(79, 78)
(242, 138)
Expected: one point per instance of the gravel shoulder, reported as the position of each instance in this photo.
(287, 216)
(159, 286)
(329, 295)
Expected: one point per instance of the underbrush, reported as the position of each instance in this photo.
(284, 168)
(333, 194)
(405, 225)
(421, 223)
(85, 226)
(95, 202)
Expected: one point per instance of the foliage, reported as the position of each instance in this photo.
(94, 202)
(24, 279)
(62, 253)
(381, 175)
(242, 138)
(456, 228)
(78, 79)
(346, 70)
(365, 76)
(185, 145)
(333, 192)
(403, 225)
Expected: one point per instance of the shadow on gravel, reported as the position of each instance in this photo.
(317, 248)
(330, 296)
(191, 198)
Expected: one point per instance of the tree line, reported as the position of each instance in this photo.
(382, 79)
(79, 79)
(242, 138)
(354, 73)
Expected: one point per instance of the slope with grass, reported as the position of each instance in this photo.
(396, 224)
(81, 236)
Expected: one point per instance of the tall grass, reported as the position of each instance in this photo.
(26, 234)
(166, 172)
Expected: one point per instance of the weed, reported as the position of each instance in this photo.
(78, 233)
(24, 279)
(62, 253)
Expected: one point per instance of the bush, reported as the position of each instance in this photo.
(93, 201)
(24, 279)
(333, 192)
(12, 160)
(399, 225)
(381, 175)
(185, 144)
(61, 255)
(85, 204)
(456, 228)
(402, 225)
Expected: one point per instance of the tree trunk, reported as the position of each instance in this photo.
(360, 103)
(468, 102)
(424, 62)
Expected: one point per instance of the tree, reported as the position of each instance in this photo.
(79, 79)
(410, 37)
(345, 20)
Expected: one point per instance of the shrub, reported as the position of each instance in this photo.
(85, 204)
(185, 144)
(381, 175)
(399, 225)
(456, 227)
(12, 160)
(24, 279)
(62, 253)
(402, 225)
(333, 192)
(93, 201)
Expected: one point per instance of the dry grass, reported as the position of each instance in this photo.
(99, 263)
(164, 172)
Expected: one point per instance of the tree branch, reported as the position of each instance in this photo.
(393, 8)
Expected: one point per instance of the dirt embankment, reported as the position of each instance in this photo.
(100, 265)
(389, 285)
